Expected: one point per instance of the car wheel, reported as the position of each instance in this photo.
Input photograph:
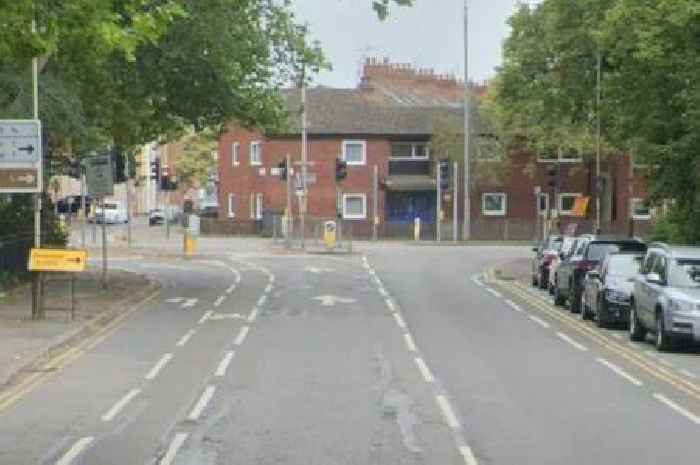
(585, 310)
(637, 332)
(544, 278)
(601, 314)
(558, 298)
(574, 301)
(551, 289)
(663, 340)
(534, 280)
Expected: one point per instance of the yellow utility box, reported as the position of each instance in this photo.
(329, 229)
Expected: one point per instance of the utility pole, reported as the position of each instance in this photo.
(128, 203)
(304, 196)
(104, 244)
(36, 281)
(455, 193)
(466, 234)
(288, 216)
(83, 206)
(375, 200)
(438, 201)
(599, 185)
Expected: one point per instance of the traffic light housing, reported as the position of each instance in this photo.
(165, 178)
(282, 167)
(341, 169)
(155, 170)
(444, 175)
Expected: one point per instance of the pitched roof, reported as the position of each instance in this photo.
(353, 111)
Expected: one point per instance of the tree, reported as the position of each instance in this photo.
(196, 161)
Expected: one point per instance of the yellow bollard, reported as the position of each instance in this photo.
(416, 229)
(329, 234)
(189, 244)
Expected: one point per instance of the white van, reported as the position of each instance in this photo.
(112, 213)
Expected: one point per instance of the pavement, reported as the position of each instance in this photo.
(394, 354)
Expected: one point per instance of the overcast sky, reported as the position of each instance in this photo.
(428, 35)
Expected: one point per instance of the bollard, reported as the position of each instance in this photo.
(416, 229)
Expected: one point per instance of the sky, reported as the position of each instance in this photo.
(428, 35)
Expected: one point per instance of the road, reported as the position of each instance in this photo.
(398, 354)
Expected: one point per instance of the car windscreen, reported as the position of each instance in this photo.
(686, 273)
(598, 250)
(624, 265)
(554, 244)
(110, 206)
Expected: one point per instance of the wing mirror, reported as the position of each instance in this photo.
(534, 249)
(654, 278)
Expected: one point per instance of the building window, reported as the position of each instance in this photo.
(409, 151)
(231, 206)
(493, 204)
(566, 203)
(255, 153)
(554, 155)
(543, 203)
(354, 152)
(640, 210)
(235, 154)
(259, 206)
(251, 206)
(354, 206)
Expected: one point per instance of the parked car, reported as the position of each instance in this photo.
(545, 254)
(567, 245)
(589, 251)
(666, 296)
(607, 289)
(209, 211)
(155, 217)
(110, 212)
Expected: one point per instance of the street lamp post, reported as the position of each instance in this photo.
(466, 233)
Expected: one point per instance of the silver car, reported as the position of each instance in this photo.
(666, 296)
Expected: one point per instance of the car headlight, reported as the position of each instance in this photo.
(616, 295)
(684, 308)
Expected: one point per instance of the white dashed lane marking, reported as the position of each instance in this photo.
(390, 304)
(513, 305)
(424, 370)
(620, 372)
(399, 321)
(173, 449)
(202, 403)
(253, 314)
(494, 292)
(677, 408)
(262, 300)
(687, 373)
(468, 455)
(77, 448)
(219, 300)
(223, 365)
(539, 321)
(119, 406)
(268, 288)
(447, 412)
(158, 366)
(231, 288)
(183, 340)
(206, 316)
(571, 342)
(189, 303)
(242, 333)
(409, 342)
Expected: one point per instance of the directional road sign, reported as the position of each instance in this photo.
(99, 176)
(20, 156)
(57, 260)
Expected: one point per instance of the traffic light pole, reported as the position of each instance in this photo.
(288, 216)
(375, 200)
(455, 193)
(83, 206)
(128, 203)
(438, 202)
(304, 155)
(36, 281)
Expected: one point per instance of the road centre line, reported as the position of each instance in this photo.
(121, 403)
(173, 448)
(202, 403)
(399, 320)
(493, 292)
(468, 455)
(262, 300)
(424, 370)
(223, 365)
(183, 340)
(539, 321)
(383, 292)
(219, 300)
(253, 314)
(77, 448)
(242, 333)
(231, 288)
(447, 412)
(206, 316)
(409, 342)
(390, 304)
(677, 408)
(514, 306)
(573, 343)
(620, 371)
(158, 366)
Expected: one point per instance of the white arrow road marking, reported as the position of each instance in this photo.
(175, 300)
(183, 340)
(223, 365)
(190, 303)
(202, 403)
(206, 316)
(173, 448)
(75, 451)
(219, 300)
(677, 408)
(111, 413)
(331, 300)
(159, 366)
(242, 333)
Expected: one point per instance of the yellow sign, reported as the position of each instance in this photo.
(329, 234)
(580, 207)
(57, 260)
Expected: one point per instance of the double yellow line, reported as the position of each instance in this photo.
(58, 362)
(632, 356)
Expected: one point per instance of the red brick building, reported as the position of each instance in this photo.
(387, 122)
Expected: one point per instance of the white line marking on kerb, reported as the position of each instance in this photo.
(687, 373)
(620, 372)
(223, 365)
(173, 448)
(539, 321)
(409, 342)
(219, 300)
(573, 343)
(202, 403)
(231, 288)
(493, 292)
(75, 451)
(383, 292)
(206, 316)
(158, 366)
(262, 300)
(424, 370)
(109, 416)
(514, 306)
(468, 455)
(183, 340)
(241, 335)
(447, 412)
(390, 304)
(399, 321)
(253, 314)
(677, 408)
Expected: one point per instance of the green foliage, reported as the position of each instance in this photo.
(382, 6)
(196, 160)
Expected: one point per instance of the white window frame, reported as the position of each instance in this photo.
(501, 212)
(231, 205)
(258, 206)
(251, 206)
(560, 202)
(362, 216)
(634, 201)
(235, 154)
(558, 159)
(413, 156)
(258, 160)
(363, 143)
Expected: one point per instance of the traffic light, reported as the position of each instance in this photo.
(165, 178)
(341, 169)
(155, 170)
(282, 167)
(444, 175)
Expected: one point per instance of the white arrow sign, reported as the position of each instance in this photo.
(331, 300)
(313, 269)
